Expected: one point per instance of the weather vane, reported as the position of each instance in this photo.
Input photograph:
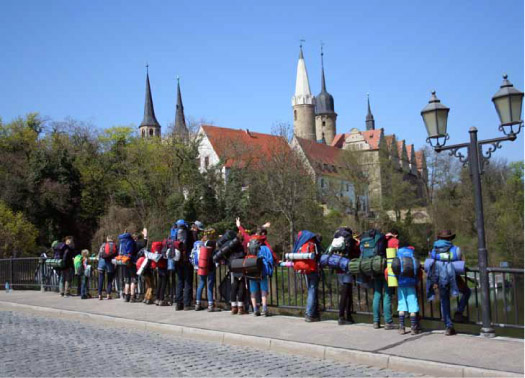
(302, 40)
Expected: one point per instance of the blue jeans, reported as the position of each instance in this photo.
(84, 287)
(66, 276)
(101, 274)
(465, 294)
(312, 301)
(211, 283)
(380, 284)
(444, 298)
(184, 271)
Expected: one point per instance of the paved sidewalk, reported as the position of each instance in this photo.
(429, 353)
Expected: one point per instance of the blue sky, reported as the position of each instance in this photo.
(237, 60)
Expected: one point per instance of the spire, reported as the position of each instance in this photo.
(303, 96)
(149, 113)
(180, 122)
(370, 123)
(324, 102)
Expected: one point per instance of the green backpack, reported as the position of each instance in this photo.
(370, 244)
(77, 263)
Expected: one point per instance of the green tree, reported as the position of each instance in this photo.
(17, 235)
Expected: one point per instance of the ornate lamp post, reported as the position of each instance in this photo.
(508, 102)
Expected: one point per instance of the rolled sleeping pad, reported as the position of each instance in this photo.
(55, 263)
(372, 266)
(299, 256)
(410, 266)
(204, 260)
(459, 266)
(286, 263)
(251, 266)
(391, 277)
(153, 256)
(225, 251)
(142, 264)
(334, 262)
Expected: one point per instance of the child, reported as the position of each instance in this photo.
(86, 273)
(258, 247)
(406, 293)
(206, 266)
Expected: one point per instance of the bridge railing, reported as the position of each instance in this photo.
(288, 290)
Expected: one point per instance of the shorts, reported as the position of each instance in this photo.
(130, 274)
(105, 265)
(407, 299)
(256, 285)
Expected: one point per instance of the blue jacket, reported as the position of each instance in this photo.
(303, 238)
(267, 258)
(443, 274)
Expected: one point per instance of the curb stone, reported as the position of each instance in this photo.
(379, 360)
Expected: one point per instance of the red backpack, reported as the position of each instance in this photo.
(156, 247)
(306, 266)
(109, 251)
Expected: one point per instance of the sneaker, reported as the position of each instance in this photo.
(341, 321)
(450, 331)
(198, 307)
(213, 309)
(265, 313)
(376, 325)
(100, 297)
(415, 331)
(235, 310)
(163, 303)
(61, 294)
(109, 297)
(179, 307)
(401, 330)
(460, 318)
(67, 295)
(390, 326)
(311, 319)
(148, 302)
(187, 308)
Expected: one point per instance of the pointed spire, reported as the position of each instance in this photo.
(303, 96)
(370, 123)
(180, 121)
(323, 84)
(149, 112)
(324, 102)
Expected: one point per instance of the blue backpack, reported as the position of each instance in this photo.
(195, 252)
(126, 244)
(444, 250)
(405, 266)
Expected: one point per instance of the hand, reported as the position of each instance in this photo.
(238, 222)
(145, 233)
(267, 225)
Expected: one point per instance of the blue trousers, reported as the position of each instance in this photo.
(210, 279)
(444, 298)
(312, 301)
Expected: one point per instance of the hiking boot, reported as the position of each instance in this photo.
(163, 303)
(242, 311)
(235, 310)
(187, 308)
(415, 330)
(148, 302)
(390, 326)
(84, 297)
(198, 307)
(179, 307)
(61, 294)
(100, 297)
(311, 319)
(127, 297)
(376, 325)
(256, 313)
(109, 297)
(342, 321)
(460, 318)
(265, 313)
(401, 330)
(212, 308)
(450, 331)
(350, 320)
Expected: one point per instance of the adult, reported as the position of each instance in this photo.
(130, 270)
(183, 268)
(206, 271)
(65, 251)
(373, 243)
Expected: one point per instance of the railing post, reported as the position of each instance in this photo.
(11, 263)
(41, 262)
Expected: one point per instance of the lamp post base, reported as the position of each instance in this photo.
(488, 332)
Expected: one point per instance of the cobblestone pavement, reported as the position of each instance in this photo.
(44, 346)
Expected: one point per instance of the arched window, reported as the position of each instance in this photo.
(295, 115)
(143, 133)
(151, 132)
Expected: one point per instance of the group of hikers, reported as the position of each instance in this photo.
(371, 259)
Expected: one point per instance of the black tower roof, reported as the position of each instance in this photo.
(370, 123)
(324, 102)
(149, 113)
(180, 122)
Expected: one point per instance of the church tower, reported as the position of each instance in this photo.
(150, 126)
(303, 103)
(325, 116)
(180, 128)
(370, 123)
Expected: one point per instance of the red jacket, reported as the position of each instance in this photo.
(246, 238)
(392, 242)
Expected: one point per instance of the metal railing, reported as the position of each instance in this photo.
(288, 290)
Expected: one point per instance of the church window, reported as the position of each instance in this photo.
(324, 123)
(295, 115)
(150, 132)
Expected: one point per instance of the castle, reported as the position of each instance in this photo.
(315, 138)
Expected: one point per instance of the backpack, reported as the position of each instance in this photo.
(444, 250)
(254, 246)
(58, 250)
(370, 244)
(160, 263)
(108, 250)
(194, 255)
(406, 267)
(307, 266)
(203, 264)
(126, 244)
(77, 263)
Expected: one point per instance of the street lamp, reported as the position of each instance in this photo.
(508, 102)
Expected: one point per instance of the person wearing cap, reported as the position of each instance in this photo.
(442, 277)
(183, 267)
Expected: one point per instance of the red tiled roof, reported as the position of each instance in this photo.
(410, 148)
(400, 148)
(339, 140)
(242, 147)
(323, 158)
(389, 139)
(372, 137)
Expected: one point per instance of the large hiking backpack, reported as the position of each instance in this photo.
(406, 267)
(195, 252)
(254, 246)
(370, 243)
(108, 250)
(307, 266)
(159, 262)
(126, 249)
(204, 260)
(226, 244)
(444, 251)
(334, 261)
